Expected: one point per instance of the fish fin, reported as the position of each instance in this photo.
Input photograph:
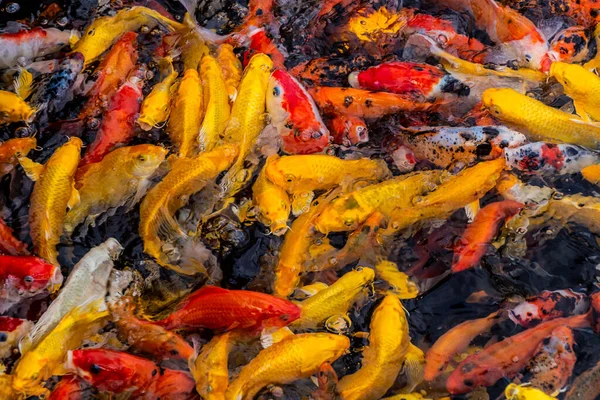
(314, 380)
(75, 198)
(270, 337)
(311, 290)
(168, 226)
(580, 110)
(23, 84)
(32, 169)
(232, 93)
(471, 210)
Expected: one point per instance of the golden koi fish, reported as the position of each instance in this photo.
(231, 68)
(272, 202)
(156, 106)
(581, 85)
(217, 105)
(187, 109)
(210, 368)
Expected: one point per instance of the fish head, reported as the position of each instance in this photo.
(327, 378)
(525, 314)
(146, 159)
(341, 215)
(33, 275)
(324, 347)
(471, 374)
(502, 103)
(404, 158)
(572, 77)
(280, 313)
(295, 115)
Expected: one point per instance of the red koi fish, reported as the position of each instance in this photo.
(260, 13)
(294, 113)
(113, 71)
(548, 305)
(348, 130)
(509, 356)
(221, 309)
(118, 124)
(70, 387)
(445, 34)
(260, 42)
(11, 332)
(148, 337)
(472, 245)
(172, 385)
(423, 81)
(9, 244)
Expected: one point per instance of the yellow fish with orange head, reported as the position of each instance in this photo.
(210, 369)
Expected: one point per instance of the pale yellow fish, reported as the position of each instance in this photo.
(272, 202)
(103, 32)
(348, 211)
(383, 358)
(53, 192)
(187, 176)
(231, 68)
(401, 284)
(187, 108)
(247, 119)
(210, 369)
(538, 121)
(336, 299)
(523, 392)
(217, 105)
(128, 169)
(295, 357)
(156, 107)
(44, 360)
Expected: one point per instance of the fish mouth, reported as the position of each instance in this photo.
(353, 79)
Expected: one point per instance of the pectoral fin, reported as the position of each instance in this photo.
(23, 83)
(471, 210)
(32, 169)
(75, 199)
(580, 110)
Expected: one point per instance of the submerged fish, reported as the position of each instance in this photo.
(210, 368)
(548, 158)
(548, 305)
(11, 332)
(156, 107)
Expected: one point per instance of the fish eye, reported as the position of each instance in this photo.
(284, 317)
(3, 337)
(276, 91)
(348, 222)
(359, 269)
(95, 369)
(496, 110)
(35, 375)
(142, 158)
(28, 279)
(468, 382)
(289, 178)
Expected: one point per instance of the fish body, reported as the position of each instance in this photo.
(522, 392)
(539, 121)
(68, 388)
(221, 309)
(87, 282)
(11, 331)
(113, 70)
(187, 109)
(364, 103)
(12, 149)
(51, 195)
(547, 158)
(186, 177)
(348, 211)
(505, 358)
(548, 305)
(580, 84)
(14, 109)
(38, 363)
(591, 173)
(383, 358)
(295, 115)
(272, 201)
(217, 107)
(210, 369)
(156, 107)
(335, 300)
(348, 130)
(569, 45)
(30, 44)
(399, 282)
(260, 42)
(472, 244)
(118, 123)
(306, 173)
(231, 68)
(421, 81)
(296, 357)
(128, 169)
(192, 45)
(172, 385)
(147, 337)
(444, 146)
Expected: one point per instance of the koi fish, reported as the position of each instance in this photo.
(404, 158)
(231, 68)
(327, 381)
(11, 331)
(221, 309)
(118, 123)
(192, 45)
(11, 150)
(52, 193)
(156, 107)
(13, 108)
(272, 201)
(400, 283)
(113, 71)
(383, 358)
(68, 388)
(421, 81)
(296, 357)
(217, 108)
(582, 85)
(540, 122)
(294, 113)
(548, 305)
(585, 386)
(569, 45)
(547, 158)
(444, 146)
(26, 45)
(210, 368)
(259, 41)
(522, 392)
(145, 336)
(26, 276)
(348, 130)
(9, 244)
(363, 103)
(455, 341)
(472, 244)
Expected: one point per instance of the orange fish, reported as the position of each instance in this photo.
(348, 130)
(472, 245)
(70, 387)
(327, 380)
(9, 244)
(261, 42)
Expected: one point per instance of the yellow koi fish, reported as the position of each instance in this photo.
(384, 356)
(591, 173)
(231, 68)
(210, 369)
(538, 121)
(272, 202)
(335, 300)
(192, 45)
(293, 358)
(400, 283)
(13, 107)
(187, 109)
(187, 176)
(156, 106)
(128, 169)
(217, 103)
(522, 392)
(53, 192)
(581, 85)
(414, 367)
